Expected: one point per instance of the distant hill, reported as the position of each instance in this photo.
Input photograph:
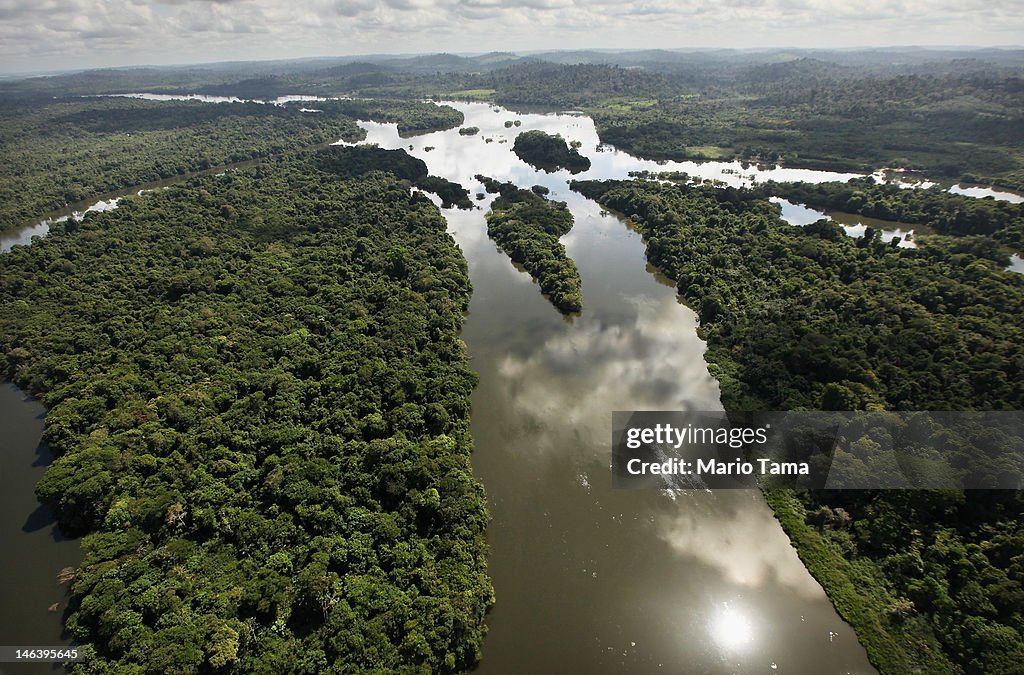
(376, 72)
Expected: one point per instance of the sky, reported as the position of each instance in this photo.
(47, 35)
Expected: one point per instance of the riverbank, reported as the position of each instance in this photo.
(860, 595)
(35, 553)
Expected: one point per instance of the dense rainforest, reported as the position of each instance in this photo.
(259, 405)
(357, 160)
(61, 152)
(809, 318)
(411, 117)
(527, 226)
(950, 126)
(548, 152)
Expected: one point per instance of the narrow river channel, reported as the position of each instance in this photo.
(33, 551)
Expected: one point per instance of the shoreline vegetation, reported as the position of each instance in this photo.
(357, 160)
(259, 404)
(808, 318)
(859, 595)
(527, 227)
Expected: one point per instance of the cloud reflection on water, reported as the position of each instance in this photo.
(734, 541)
(651, 359)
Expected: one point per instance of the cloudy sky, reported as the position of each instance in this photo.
(40, 35)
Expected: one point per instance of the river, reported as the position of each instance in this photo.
(587, 578)
(34, 551)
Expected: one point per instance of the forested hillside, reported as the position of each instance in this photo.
(952, 122)
(949, 126)
(259, 402)
(808, 318)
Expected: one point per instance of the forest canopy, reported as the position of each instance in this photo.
(260, 401)
(259, 405)
(62, 152)
(548, 152)
(527, 226)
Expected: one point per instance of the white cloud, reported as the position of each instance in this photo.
(123, 32)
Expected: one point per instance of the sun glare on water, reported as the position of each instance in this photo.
(731, 629)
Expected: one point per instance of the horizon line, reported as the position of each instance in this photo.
(522, 54)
